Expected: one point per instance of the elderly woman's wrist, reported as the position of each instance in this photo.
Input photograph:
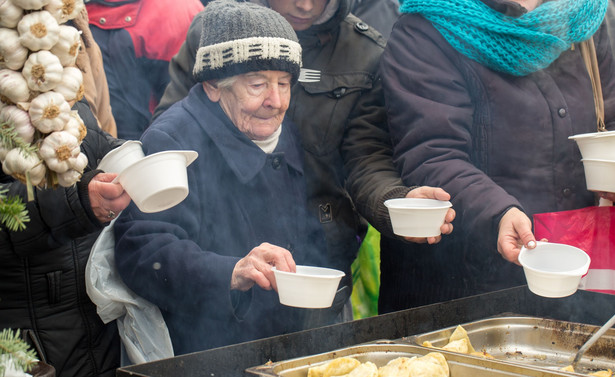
(84, 194)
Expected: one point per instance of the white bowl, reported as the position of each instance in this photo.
(158, 181)
(121, 157)
(415, 217)
(553, 269)
(599, 175)
(596, 145)
(309, 287)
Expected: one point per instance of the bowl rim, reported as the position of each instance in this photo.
(390, 203)
(334, 274)
(597, 160)
(116, 151)
(591, 135)
(189, 155)
(579, 271)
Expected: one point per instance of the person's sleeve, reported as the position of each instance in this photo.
(158, 258)
(368, 160)
(56, 217)
(430, 116)
(180, 69)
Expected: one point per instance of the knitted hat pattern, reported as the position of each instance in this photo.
(241, 37)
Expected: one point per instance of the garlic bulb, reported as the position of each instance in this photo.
(75, 126)
(20, 120)
(49, 112)
(10, 14)
(43, 71)
(13, 87)
(17, 164)
(60, 150)
(71, 84)
(68, 45)
(69, 177)
(64, 10)
(38, 30)
(30, 4)
(12, 53)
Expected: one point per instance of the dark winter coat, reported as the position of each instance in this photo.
(342, 124)
(42, 290)
(239, 197)
(493, 141)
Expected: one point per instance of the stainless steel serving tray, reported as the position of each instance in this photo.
(532, 341)
(382, 352)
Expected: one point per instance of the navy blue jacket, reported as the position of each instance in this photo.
(239, 198)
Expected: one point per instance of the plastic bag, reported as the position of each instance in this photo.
(141, 326)
(591, 229)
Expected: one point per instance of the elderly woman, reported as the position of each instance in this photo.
(482, 96)
(207, 262)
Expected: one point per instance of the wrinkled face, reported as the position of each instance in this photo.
(255, 102)
(301, 14)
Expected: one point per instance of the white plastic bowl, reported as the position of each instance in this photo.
(596, 145)
(158, 181)
(599, 175)
(121, 157)
(554, 269)
(415, 217)
(309, 287)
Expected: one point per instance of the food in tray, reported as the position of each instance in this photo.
(460, 342)
(431, 365)
(336, 367)
(601, 373)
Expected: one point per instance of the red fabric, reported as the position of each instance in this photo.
(106, 17)
(157, 28)
(591, 229)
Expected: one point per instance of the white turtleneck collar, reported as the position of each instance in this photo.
(268, 145)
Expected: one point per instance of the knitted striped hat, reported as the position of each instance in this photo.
(241, 37)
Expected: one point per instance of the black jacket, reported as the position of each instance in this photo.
(42, 290)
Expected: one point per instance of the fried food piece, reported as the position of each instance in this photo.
(460, 334)
(366, 369)
(567, 368)
(460, 342)
(336, 367)
(459, 345)
(399, 367)
(431, 365)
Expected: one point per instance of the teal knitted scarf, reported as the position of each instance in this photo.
(513, 45)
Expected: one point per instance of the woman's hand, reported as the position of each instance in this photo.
(255, 268)
(427, 192)
(515, 230)
(107, 199)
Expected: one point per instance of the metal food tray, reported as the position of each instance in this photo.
(531, 341)
(382, 352)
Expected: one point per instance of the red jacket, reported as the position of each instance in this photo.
(138, 39)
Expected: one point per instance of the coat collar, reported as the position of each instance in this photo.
(243, 157)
